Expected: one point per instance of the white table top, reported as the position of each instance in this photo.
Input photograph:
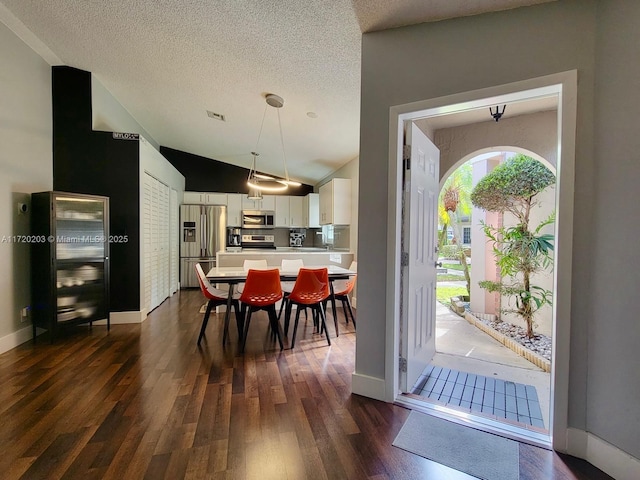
(230, 274)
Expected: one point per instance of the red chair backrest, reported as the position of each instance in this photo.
(347, 287)
(262, 288)
(312, 286)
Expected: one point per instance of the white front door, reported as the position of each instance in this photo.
(420, 255)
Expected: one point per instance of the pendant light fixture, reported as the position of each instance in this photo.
(259, 182)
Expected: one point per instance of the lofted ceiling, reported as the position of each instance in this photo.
(168, 62)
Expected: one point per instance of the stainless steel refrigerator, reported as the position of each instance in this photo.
(202, 234)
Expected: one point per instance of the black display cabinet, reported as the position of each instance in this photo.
(69, 260)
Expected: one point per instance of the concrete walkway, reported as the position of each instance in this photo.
(461, 346)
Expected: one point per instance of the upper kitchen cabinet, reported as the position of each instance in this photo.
(204, 198)
(282, 211)
(335, 202)
(268, 202)
(289, 212)
(234, 209)
(311, 211)
(296, 212)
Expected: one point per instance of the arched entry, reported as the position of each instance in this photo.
(469, 341)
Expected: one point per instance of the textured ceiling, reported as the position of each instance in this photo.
(169, 61)
(376, 15)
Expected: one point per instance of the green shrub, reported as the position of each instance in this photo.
(450, 252)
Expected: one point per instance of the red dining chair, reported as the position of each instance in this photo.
(216, 298)
(260, 264)
(310, 290)
(341, 291)
(262, 290)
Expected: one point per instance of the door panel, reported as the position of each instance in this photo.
(419, 283)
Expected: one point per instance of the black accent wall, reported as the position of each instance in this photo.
(91, 162)
(206, 175)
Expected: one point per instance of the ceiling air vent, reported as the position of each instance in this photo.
(217, 116)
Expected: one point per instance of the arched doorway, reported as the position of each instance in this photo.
(484, 362)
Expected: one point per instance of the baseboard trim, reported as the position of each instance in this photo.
(120, 318)
(367, 386)
(608, 458)
(11, 341)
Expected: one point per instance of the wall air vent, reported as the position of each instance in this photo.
(217, 116)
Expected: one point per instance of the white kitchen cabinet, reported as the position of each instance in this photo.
(215, 199)
(234, 209)
(311, 211)
(248, 204)
(282, 211)
(204, 198)
(296, 217)
(193, 197)
(268, 202)
(335, 202)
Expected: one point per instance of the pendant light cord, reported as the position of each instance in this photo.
(284, 155)
(264, 114)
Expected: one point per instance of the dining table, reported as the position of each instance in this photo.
(232, 276)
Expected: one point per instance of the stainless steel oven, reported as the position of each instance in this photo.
(258, 241)
(258, 219)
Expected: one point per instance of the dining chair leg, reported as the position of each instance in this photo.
(239, 320)
(349, 309)
(323, 319)
(275, 326)
(282, 304)
(225, 334)
(205, 320)
(246, 327)
(295, 327)
(287, 318)
(335, 315)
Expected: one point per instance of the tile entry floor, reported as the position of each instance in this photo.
(516, 402)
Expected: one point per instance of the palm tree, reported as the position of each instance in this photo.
(455, 201)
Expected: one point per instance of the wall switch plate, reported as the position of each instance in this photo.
(24, 314)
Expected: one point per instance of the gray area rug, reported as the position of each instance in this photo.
(477, 453)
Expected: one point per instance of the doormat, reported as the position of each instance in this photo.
(515, 402)
(471, 451)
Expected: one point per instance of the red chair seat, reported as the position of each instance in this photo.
(310, 290)
(261, 292)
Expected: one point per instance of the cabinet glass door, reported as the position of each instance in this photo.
(79, 228)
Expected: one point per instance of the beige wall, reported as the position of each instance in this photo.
(25, 167)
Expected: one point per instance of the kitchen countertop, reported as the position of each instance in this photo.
(311, 256)
(305, 250)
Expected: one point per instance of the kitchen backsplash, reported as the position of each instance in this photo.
(334, 236)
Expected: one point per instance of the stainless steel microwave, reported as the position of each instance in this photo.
(258, 219)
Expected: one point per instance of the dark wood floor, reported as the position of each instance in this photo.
(142, 401)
